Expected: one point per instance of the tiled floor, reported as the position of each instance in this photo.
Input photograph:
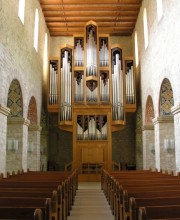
(90, 203)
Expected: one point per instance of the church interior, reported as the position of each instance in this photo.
(89, 85)
(89, 109)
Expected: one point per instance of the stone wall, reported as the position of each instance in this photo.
(18, 58)
(123, 142)
(59, 145)
(161, 58)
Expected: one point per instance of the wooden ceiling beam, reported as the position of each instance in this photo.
(90, 13)
(89, 2)
(82, 24)
(68, 17)
(76, 29)
(86, 19)
(68, 33)
(88, 8)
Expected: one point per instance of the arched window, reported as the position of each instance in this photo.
(159, 9)
(36, 29)
(145, 28)
(45, 60)
(136, 49)
(21, 10)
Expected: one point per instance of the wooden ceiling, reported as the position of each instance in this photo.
(68, 17)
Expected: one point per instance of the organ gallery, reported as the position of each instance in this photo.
(91, 87)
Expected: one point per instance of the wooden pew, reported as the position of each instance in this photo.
(16, 208)
(127, 179)
(40, 186)
(70, 180)
(158, 192)
(42, 180)
(35, 195)
(136, 203)
(149, 194)
(116, 199)
(159, 212)
(21, 213)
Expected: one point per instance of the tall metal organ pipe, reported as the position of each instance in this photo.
(117, 90)
(91, 56)
(66, 87)
(53, 83)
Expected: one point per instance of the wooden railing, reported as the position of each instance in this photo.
(115, 166)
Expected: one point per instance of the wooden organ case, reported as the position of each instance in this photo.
(91, 86)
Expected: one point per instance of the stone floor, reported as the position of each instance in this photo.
(90, 203)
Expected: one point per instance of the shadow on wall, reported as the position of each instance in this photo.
(52, 166)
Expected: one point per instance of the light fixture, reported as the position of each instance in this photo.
(152, 148)
(12, 144)
(30, 147)
(169, 145)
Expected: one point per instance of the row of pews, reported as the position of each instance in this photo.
(37, 195)
(142, 194)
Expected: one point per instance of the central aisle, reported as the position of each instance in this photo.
(90, 203)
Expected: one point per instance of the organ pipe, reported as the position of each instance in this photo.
(53, 83)
(78, 52)
(104, 52)
(117, 88)
(91, 54)
(104, 87)
(79, 86)
(95, 129)
(130, 97)
(91, 91)
(66, 87)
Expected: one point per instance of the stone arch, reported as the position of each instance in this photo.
(166, 99)
(15, 99)
(32, 111)
(149, 112)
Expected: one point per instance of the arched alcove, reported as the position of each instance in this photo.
(32, 111)
(166, 100)
(33, 148)
(165, 129)
(14, 141)
(149, 112)
(15, 100)
(148, 136)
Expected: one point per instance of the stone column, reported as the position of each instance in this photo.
(18, 129)
(163, 129)
(4, 111)
(139, 146)
(148, 144)
(44, 145)
(176, 112)
(34, 147)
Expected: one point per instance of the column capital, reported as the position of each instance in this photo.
(35, 128)
(17, 120)
(4, 110)
(175, 109)
(147, 127)
(163, 119)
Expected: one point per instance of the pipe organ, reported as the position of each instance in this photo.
(66, 85)
(91, 87)
(129, 73)
(53, 82)
(92, 127)
(117, 85)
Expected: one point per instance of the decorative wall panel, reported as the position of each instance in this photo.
(166, 98)
(14, 101)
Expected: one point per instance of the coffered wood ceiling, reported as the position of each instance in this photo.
(68, 17)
